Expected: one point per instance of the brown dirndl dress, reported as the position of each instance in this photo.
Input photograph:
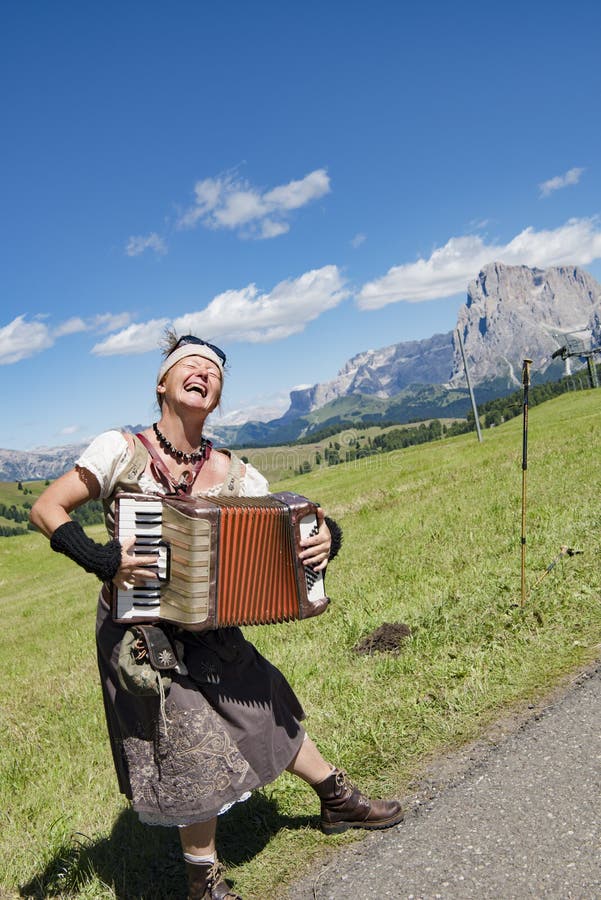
(230, 725)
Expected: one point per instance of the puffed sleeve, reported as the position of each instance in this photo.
(253, 484)
(105, 458)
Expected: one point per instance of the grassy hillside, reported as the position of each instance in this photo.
(432, 540)
(283, 463)
(16, 499)
(11, 493)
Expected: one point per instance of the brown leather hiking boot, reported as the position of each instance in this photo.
(344, 806)
(207, 883)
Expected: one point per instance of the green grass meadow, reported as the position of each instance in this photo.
(432, 540)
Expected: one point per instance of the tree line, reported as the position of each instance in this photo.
(89, 514)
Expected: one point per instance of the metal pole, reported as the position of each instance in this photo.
(592, 371)
(526, 384)
(469, 386)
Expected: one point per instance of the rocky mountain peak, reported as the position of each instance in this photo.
(516, 312)
(381, 373)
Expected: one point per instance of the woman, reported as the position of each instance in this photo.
(230, 721)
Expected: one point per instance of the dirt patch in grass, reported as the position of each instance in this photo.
(388, 638)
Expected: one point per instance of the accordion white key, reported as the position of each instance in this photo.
(221, 561)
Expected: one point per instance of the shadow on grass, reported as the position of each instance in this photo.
(139, 862)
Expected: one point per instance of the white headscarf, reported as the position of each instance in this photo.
(189, 350)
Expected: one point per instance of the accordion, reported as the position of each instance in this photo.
(221, 561)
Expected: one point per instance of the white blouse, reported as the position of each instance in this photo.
(108, 453)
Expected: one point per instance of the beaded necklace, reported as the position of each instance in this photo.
(180, 455)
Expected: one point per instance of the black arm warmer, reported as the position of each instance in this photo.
(336, 532)
(102, 560)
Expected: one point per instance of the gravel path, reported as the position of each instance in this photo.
(517, 815)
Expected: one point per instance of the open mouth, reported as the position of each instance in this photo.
(196, 389)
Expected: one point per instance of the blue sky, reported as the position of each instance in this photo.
(297, 182)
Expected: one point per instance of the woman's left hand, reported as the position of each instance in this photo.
(316, 549)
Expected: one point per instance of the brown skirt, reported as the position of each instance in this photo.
(229, 726)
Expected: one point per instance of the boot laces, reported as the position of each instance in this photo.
(215, 874)
(344, 783)
(342, 780)
(215, 878)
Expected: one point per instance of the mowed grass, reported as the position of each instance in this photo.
(432, 539)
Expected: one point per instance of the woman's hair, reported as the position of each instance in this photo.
(168, 343)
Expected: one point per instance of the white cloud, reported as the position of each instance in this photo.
(69, 429)
(105, 322)
(133, 339)
(138, 244)
(449, 269)
(231, 202)
(560, 181)
(270, 229)
(478, 224)
(359, 239)
(20, 340)
(249, 315)
(298, 193)
(71, 326)
(243, 315)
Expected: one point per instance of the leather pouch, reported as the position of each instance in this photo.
(147, 659)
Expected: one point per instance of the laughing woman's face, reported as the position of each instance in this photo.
(193, 381)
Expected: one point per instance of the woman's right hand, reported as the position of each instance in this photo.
(131, 572)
